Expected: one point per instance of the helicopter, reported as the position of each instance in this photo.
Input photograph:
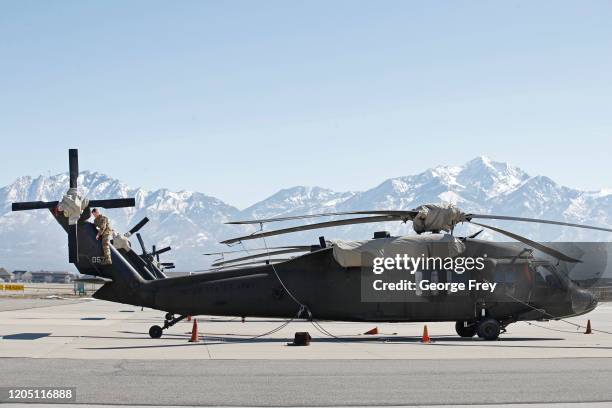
(334, 280)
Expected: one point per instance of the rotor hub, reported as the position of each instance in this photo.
(72, 205)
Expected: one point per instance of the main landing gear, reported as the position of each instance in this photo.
(156, 332)
(487, 329)
(466, 329)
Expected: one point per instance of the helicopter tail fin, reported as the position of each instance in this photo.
(127, 284)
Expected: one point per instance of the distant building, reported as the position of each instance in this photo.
(20, 276)
(51, 277)
(5, 276)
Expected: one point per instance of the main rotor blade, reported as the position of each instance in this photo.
(543, 248)
(407, 214)
(33, 205)
(113, 203)
(262, 262)
(73, 166)
(304, 247)
(327, 224)
(261, 255)
(73, 244)
(141, 242)
(469, 217)
(138, 226)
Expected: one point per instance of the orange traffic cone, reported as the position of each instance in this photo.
(372, 331)
(194, 332)
(588, 329)
(188, 318)
(425, 338)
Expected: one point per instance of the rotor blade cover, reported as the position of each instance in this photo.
(435, 218)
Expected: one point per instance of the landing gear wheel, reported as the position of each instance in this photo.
(169, 316)
(466, 331)
(488, 329)
(155, 332)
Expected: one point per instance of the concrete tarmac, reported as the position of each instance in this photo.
(104, 350)
(320, 382)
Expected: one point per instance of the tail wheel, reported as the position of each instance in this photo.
(489, 329)
(466, 329)
(155, 332)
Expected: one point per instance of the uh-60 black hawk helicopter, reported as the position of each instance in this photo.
(330, 281)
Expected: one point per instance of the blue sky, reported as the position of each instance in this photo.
(239, 99)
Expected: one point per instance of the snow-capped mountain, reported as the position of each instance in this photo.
(193, 223)
(188, 221)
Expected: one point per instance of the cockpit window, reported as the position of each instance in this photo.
(546, 277)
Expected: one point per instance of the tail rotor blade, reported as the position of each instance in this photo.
(33, 205)
(138, 226)
(73, 165)
(113, 203)
(73, 244)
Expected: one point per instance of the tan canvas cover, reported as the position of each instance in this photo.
(350, 253)
(436, 218)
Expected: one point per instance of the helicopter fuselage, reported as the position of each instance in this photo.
(316, 282)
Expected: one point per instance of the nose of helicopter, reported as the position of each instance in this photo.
(583, 301)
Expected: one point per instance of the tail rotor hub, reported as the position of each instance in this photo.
(73, 205)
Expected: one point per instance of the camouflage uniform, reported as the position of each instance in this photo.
(106, 233)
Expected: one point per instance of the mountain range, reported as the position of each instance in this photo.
(193, 223)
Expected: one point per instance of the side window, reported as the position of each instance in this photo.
(500, 276)
(507, 276)
(511, 274)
